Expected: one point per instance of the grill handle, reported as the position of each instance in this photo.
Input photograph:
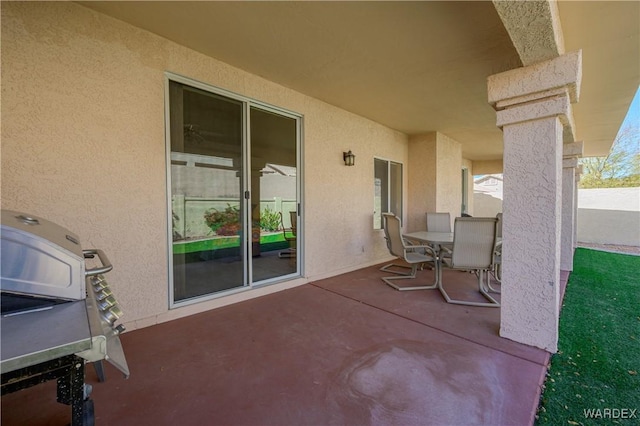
(106, 264)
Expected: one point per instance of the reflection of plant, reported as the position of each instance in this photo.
(226, 222)
(269, 220)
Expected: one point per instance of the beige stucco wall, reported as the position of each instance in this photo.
(487, 167)
(83, 145)
(449, 179)
(435, 178)
(422, 176)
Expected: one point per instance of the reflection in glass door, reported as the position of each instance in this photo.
(274, 204)
(206, 189)
(233, 216)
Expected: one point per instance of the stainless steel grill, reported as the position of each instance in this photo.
(57, 313)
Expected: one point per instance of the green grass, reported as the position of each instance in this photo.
(221, 243)
(598, 361)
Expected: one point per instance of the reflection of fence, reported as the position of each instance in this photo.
(188, 213)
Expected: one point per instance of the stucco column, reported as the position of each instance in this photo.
(567, 234)
(434, 181)
(422, 175)
(578, 174)
(533, 107)
(571, 152)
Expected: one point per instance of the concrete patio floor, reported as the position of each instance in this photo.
(347, 350)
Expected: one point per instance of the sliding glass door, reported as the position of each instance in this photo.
(234, 189)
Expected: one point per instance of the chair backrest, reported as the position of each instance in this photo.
(393, 234)
(438, 222)
(474, 239)
(292, 230)
(293, 215)
(499, 226)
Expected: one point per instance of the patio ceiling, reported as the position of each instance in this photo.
(412, 66)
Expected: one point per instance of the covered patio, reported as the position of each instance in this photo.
(343, 350)
(93, 126)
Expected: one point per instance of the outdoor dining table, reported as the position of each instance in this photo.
(432, 238)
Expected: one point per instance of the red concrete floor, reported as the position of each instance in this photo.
(347, 350)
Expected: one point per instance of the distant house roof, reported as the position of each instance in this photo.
(485, 178)
(489, 184)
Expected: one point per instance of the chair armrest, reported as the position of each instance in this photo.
(428, 249)
(498, 248)
(445, 249)
(410, 242)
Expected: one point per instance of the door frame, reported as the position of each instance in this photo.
(245, 189)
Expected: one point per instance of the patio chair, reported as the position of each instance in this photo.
(413, 254)
(394, 268)
(496, 270)
(438, 222)
(291, 237)
(474, 240)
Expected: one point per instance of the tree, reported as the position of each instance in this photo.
(621, 168)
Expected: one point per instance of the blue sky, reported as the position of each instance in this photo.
(633, 114)
(630, 142)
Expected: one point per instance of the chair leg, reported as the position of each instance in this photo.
(485, 288)
(410, 276)
(495, 273)
(387, 268)
(288, 253)
(493, 303)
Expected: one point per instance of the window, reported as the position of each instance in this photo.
(387, 195)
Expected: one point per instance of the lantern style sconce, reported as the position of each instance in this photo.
(349, 158)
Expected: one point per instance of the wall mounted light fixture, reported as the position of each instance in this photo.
(349, 158)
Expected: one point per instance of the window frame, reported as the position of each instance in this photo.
(392, 190)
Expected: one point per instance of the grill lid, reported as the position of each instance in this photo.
(40, 258)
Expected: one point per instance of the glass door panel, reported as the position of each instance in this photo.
(395, 193)
(381, 191)
(274, 199)
(206, 192)
(387, 195)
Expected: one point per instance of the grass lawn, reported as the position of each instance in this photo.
(594, 378)
(219, 243)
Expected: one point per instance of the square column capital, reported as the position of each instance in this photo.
(543, 90)
(570, 163)
(537, 81)
(556, 106)
(575, 149)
